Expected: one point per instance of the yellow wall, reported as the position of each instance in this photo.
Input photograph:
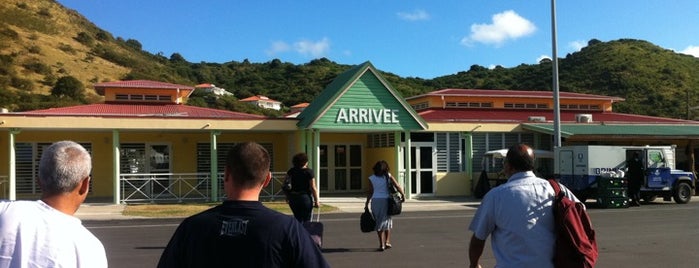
(453, 184)
(101, 154)
(184, 157)
(499, 102)
(183, 146)
(373, 155)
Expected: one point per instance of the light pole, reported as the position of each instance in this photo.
(556, 101)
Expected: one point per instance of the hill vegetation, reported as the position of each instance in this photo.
(50, 56)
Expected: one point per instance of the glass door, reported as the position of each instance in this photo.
(422, 171)
(340, 167)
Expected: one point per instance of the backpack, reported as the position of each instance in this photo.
(286, 184)
(575, 239)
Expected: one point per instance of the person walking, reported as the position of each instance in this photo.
(303, 196)
(45, 233)
(519, 216)
(635, 176)
(378, 194)
(242, 232)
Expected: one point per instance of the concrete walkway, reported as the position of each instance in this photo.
(108, 211)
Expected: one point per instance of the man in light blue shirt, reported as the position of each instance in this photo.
(519, 215)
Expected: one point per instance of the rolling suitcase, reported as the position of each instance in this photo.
(315, 229)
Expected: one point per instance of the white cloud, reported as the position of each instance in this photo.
(506, 25)
(278, 47)
(691, 50)
(577, 45)
(416, 15)
(542, 57)
(313, 49)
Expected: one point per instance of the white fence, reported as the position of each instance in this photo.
(182, 187)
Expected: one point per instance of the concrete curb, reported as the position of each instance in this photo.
(108, 211)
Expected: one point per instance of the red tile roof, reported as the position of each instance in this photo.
(513, 93)
(259, 98)
(142, 84)
(301, 105)
(522, 116)
(144, 110)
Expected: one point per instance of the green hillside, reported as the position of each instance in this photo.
(45, 48)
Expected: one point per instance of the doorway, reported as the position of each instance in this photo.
(422, 169)
(341, 168)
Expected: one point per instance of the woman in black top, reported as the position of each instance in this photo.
(303, 195)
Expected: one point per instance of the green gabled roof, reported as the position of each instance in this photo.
(362, 86)
(567, 130)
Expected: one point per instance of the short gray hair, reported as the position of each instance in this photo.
(62, 167)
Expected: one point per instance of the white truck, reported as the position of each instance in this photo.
(579, 167)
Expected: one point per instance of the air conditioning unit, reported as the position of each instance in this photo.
(583, 118)
(537, 119)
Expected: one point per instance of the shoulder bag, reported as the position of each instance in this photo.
(395, 203)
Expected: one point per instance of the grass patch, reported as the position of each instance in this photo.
(185, 210)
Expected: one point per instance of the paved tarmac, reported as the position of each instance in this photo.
(108, 211)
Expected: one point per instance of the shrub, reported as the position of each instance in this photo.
(44, 12)
(23, 84)
(84, 38)
(34, 49)
(37, 66)
(66, 48)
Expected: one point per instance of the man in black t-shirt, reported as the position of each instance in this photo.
(635, 175)
(242, 232)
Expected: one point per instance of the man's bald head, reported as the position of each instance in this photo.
(520, 157)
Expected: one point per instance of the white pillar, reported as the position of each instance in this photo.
(116, 163)
(12, 176)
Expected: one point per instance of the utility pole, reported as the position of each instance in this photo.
(556, 101)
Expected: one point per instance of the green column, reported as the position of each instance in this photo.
(116, 163)
(408, 167)
(214, 165)
(468, 156)
(316, 158)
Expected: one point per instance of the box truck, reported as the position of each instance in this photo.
(585, 170)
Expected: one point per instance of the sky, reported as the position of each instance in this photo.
(420, 38)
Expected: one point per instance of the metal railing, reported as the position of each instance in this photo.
(183, 187)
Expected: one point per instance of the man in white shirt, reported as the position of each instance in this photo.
(44, 233)
(519, 215)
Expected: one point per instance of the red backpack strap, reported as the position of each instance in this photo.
(556, 187)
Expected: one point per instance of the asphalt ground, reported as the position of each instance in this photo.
(108, 211)
(433, 233)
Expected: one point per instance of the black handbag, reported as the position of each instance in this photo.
(395, 202)
(367, 222)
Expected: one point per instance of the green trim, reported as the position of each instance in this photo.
(625, 129)
(213, 156)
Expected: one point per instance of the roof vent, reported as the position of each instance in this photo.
(537, 119)
(583, 118)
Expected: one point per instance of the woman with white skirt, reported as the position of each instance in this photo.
(378, 194)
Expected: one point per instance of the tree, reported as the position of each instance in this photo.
(134, 44)
(177, 58)
(70, 87)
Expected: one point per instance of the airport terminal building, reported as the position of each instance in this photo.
(148, 146)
